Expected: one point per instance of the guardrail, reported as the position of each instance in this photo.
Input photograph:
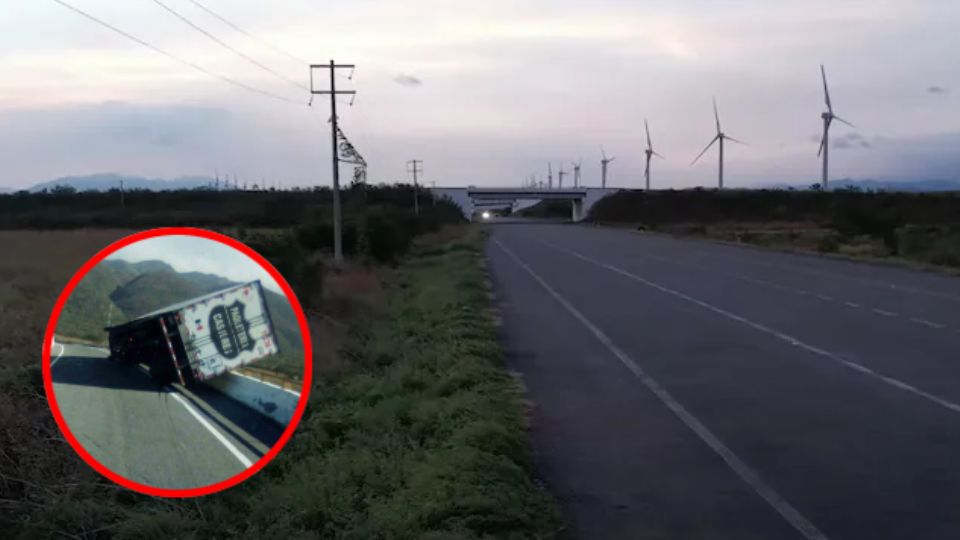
(267, 398)
(265, 375)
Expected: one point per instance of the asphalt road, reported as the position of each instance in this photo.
(160, 436)
(686, 389)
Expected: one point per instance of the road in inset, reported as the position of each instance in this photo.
(152, 434)
(686, 389)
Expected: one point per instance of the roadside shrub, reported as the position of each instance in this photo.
(389, 235)
(829, 243)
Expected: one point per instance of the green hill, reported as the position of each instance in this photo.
(116, 291)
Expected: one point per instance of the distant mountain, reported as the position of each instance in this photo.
(915, 186)
(108, 181)
(116, 291)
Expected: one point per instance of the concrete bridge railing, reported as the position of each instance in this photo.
(470, 199)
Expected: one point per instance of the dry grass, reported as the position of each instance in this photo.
(37, 464)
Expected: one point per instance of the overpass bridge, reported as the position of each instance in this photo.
(472, 199)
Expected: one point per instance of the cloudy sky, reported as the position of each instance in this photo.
(192, 254)
(484, 92)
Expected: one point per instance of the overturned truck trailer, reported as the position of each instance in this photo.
(201, 338)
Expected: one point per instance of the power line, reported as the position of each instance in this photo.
(248, 34)
(176, 58)
(223, 44)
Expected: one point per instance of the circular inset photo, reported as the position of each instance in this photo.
(177, 362)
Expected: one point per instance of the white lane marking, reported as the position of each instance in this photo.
(800, 292)
(223, 440)
(925, 322)
(706, 254)
(62, 349)
(884, 312)
(757, 326)
(741, 469)
(859, 279)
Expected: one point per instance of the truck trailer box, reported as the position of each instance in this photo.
(201, 338)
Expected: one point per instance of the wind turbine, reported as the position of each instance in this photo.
(560, 174)
(721, 136)
(828, 118)
(576, 173)
(603, 167)
(650, 153)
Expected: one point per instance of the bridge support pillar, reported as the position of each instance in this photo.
(576, 207)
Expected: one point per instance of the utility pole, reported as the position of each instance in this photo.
(415, 166)
(123, 204)
(333, 93)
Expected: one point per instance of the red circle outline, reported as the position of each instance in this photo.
(304, 391)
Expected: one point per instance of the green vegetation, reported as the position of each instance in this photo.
(67, 209)
(419, 435)
(920, 227)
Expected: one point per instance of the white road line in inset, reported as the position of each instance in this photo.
(803, 293)
(825, 297)
(851, 304)
(925, 322)
(884, 312)
(741, 469)
(223, 440)
(62, 349)
(757, 326)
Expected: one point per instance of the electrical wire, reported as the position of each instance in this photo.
(176, 58)
(248, 34)
(220, 42)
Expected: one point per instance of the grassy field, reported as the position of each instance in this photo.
(414, 429)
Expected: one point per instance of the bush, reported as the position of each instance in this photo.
(829, 243)
(388, 235)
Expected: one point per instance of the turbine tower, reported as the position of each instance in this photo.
(603, 167)
(650, 153)
(576, 173)
(560, 175)
(828, 118)
(722, 137)
(549, 175)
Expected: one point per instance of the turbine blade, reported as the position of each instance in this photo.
(716, 113)
(826, 91)
(823, 141)
(647, 126)
(729, 138)
(837, 118)
(658, 155)
(694, 162)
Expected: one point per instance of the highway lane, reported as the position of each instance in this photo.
(693, 390)
(158, 436)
